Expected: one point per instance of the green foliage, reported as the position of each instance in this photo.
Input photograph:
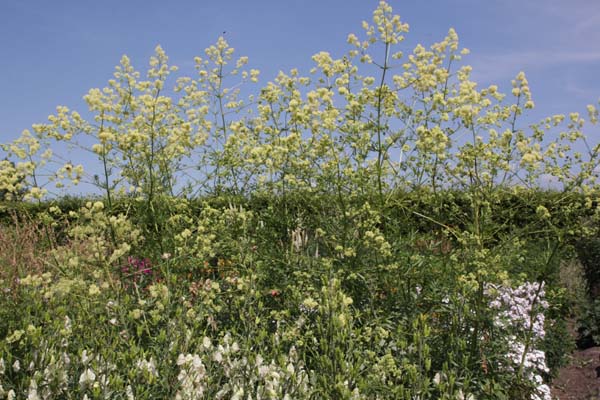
(589, 325)
(588, 251)
(363, 232)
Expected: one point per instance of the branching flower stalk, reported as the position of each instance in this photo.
(533, 315)
(380, 153)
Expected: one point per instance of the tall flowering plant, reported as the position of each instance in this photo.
(519, 320)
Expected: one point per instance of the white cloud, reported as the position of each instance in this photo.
(505, 66)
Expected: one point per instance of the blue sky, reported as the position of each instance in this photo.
(53, 52)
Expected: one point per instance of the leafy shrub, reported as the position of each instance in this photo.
(588, 251)
(359, 233)
(589, 325)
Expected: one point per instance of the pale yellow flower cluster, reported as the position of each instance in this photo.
(592, 113)
(358, 120)
(389, 28)
(521, 90)
(96, 239)
(433, 140)
(10, 178)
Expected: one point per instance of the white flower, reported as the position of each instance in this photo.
(238, 394)
(519, 311)
(32, 393)
(290, 368)
(16, 366)
(129, 393)
(218, 355)
(461, 396)
(87, 377)
(197, 363)
(68, 324)
(85, 359)
(183, 359)
(263, 370)
(543, 393)
(148, 366)
(191, 377)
